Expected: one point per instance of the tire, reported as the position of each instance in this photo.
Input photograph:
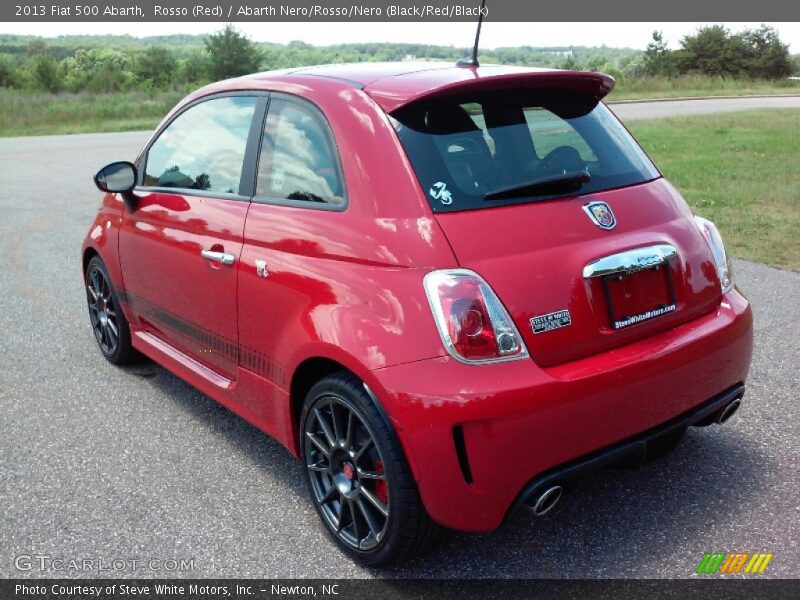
(338, 421)
(109, 325)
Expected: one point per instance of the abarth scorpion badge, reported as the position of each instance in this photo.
(601, 215)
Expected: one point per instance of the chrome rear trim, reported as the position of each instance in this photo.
(630, 261)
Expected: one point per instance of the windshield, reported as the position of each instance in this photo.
(484, 151)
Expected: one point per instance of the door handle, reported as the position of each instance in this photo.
(224, 258)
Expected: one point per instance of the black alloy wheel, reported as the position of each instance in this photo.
(347, 473)
(358, 476)
(109, 325)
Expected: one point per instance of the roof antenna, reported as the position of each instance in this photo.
(473, 60)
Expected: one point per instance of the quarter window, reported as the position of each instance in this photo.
(298, 159)
(203, 148)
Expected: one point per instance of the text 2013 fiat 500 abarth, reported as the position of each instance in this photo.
(450, 290)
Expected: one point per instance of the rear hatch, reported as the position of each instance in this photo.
(542, 192)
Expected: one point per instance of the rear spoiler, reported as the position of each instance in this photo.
(393, 93)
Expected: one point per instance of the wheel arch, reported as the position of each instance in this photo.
(311, 370)
(305, 375)
(89, 252)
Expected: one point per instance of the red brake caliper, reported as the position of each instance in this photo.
(381, 489)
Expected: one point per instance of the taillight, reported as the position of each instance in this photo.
(723, 264)
(473, 324)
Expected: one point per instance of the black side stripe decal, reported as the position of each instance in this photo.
(248, 358)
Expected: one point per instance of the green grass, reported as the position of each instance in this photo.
(742, 171)
(697, 85)
(34, 113)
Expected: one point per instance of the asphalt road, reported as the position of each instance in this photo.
(630, 111)
(98, 462)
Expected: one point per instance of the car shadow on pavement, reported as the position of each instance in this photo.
(614, 523)
(263, 450)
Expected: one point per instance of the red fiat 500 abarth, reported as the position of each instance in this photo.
(449, 290)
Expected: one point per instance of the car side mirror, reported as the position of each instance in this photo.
(118, 177)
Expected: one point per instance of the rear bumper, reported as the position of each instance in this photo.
(479, 437)
(633, 452)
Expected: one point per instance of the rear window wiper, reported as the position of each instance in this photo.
(552, 184)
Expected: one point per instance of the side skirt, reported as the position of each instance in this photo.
(252, 397)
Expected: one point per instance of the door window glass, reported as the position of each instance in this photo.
(203, 148)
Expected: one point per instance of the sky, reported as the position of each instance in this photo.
(631, 35)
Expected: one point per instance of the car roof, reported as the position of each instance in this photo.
(396, 84)
(367, 73)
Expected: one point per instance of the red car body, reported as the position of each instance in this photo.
(345, 290)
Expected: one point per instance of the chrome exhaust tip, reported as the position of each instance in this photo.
(727, 412)
(546, 501)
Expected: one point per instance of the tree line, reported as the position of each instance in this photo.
(115, 63)
(716, 51)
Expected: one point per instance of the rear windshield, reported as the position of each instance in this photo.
(516, 147)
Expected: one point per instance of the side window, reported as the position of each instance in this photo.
(203, 148)
(298, 159)
(550, 132)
